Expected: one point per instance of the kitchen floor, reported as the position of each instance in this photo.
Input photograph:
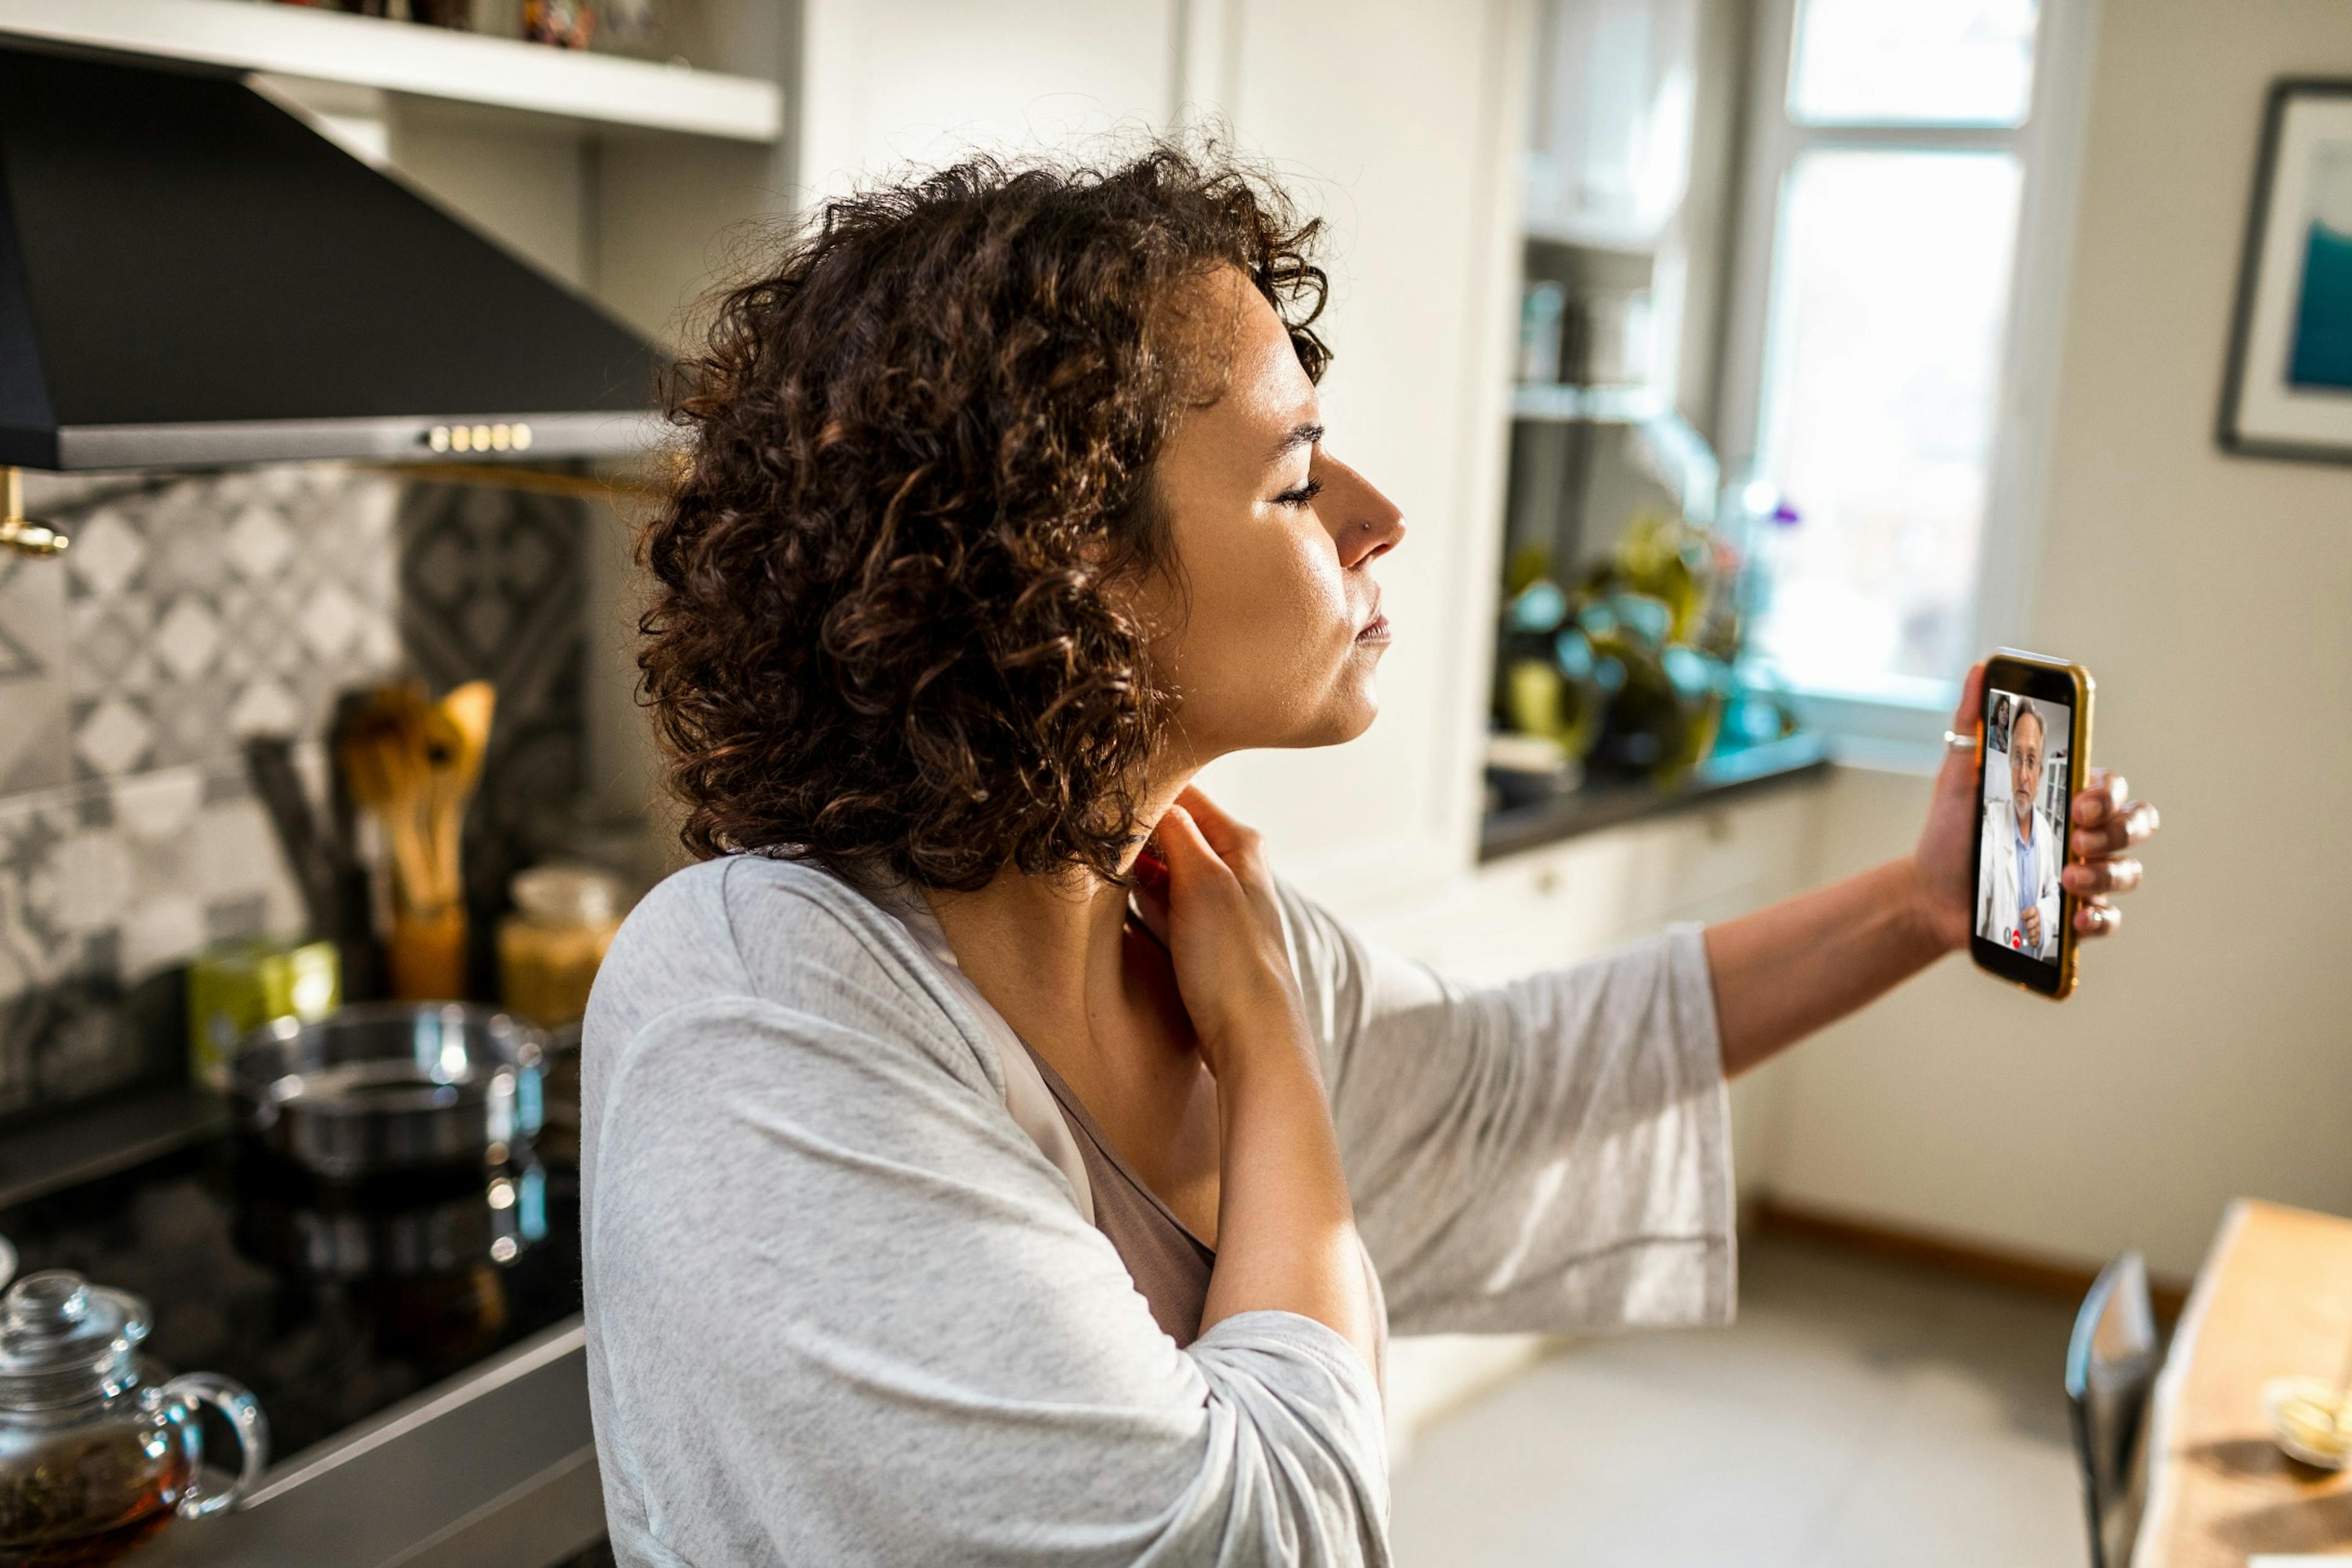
(1860, 1412)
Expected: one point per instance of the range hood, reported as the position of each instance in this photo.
(191, 276)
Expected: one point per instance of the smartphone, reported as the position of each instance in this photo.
(2033, 750)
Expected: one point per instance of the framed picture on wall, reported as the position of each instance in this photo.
(2289, 388)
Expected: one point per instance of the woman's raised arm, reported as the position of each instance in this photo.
(1792, 968)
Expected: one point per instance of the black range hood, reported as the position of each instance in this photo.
(191, 276)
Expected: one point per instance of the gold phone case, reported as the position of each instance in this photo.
(2078, 769)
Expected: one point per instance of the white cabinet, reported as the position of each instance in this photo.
(1616, 88)
(1587, 894)
(889, 85)
(451, 70)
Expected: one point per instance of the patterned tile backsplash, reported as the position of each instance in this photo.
(203, 608)
(191, 611)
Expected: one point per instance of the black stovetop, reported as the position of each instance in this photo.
(239, 1258)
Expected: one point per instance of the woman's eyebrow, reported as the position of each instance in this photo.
(1300, 436)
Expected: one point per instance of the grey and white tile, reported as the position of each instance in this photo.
(193, 610)
(33, 717)
(106, 887)
(35, 944)
(202, 605)
(493, 586)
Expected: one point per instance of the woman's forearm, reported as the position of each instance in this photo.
(1286, 1230)
(1788, 970)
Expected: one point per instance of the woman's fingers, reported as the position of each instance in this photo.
(1971, 713)
(1226, 837)
(2096, 878)
(2107, 821)
(1149, 893)
(2096, 917)
(2112, 835)
(2104, 796)
(1185, 851)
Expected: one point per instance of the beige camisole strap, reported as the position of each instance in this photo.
(1168, 1263)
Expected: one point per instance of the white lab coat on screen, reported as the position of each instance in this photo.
(1995, 779)
(1999, 894)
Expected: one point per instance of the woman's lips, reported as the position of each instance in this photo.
(1376, 630)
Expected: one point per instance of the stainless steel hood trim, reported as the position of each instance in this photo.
(565, 1339)
(84, 447)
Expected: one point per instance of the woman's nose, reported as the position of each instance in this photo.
(1364, 523)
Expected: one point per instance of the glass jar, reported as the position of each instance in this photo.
(95, 1454)
(550, 948)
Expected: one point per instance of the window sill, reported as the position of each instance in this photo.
(1803, 756)
(1902, 734)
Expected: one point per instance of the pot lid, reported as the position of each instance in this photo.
(62, 1338)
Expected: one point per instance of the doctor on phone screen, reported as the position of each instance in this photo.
(2021, 858)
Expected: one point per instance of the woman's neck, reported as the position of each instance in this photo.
(1049, 952)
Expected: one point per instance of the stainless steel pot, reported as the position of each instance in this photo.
(388, 1085)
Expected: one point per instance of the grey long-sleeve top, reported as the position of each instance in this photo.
(843, 1309)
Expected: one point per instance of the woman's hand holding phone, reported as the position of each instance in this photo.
(2108, 826)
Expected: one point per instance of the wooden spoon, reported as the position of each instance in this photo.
(455, 734)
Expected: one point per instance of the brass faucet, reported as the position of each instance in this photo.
(19, 532)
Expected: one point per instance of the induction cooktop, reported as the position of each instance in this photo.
(331, 1303)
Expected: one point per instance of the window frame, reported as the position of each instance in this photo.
(2048, 147)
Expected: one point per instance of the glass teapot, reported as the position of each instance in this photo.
(95, 1457)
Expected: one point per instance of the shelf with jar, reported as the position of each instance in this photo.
(1618, 687)
(1630, 576)
(496, 67)
(1629, 568)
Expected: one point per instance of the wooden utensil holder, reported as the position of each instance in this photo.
(427, 955)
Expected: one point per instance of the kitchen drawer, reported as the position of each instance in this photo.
(1585, 894)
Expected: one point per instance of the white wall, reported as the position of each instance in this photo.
(2208, 1052)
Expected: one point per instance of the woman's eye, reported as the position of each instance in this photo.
(1301, 495)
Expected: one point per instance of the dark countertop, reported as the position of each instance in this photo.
(1802, 757)
(40, 1155)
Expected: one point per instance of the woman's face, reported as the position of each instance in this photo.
(1271, 630)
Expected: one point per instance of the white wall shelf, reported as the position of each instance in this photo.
(1556, 401)
(1641, 241)
(420, 61)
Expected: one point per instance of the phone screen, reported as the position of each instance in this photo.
(2022, 843)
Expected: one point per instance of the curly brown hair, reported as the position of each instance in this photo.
(885, 634)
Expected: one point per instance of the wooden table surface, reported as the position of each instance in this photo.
(2273, 1300)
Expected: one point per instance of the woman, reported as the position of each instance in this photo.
(987, 1159)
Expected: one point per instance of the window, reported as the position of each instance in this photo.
(1892, 339)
